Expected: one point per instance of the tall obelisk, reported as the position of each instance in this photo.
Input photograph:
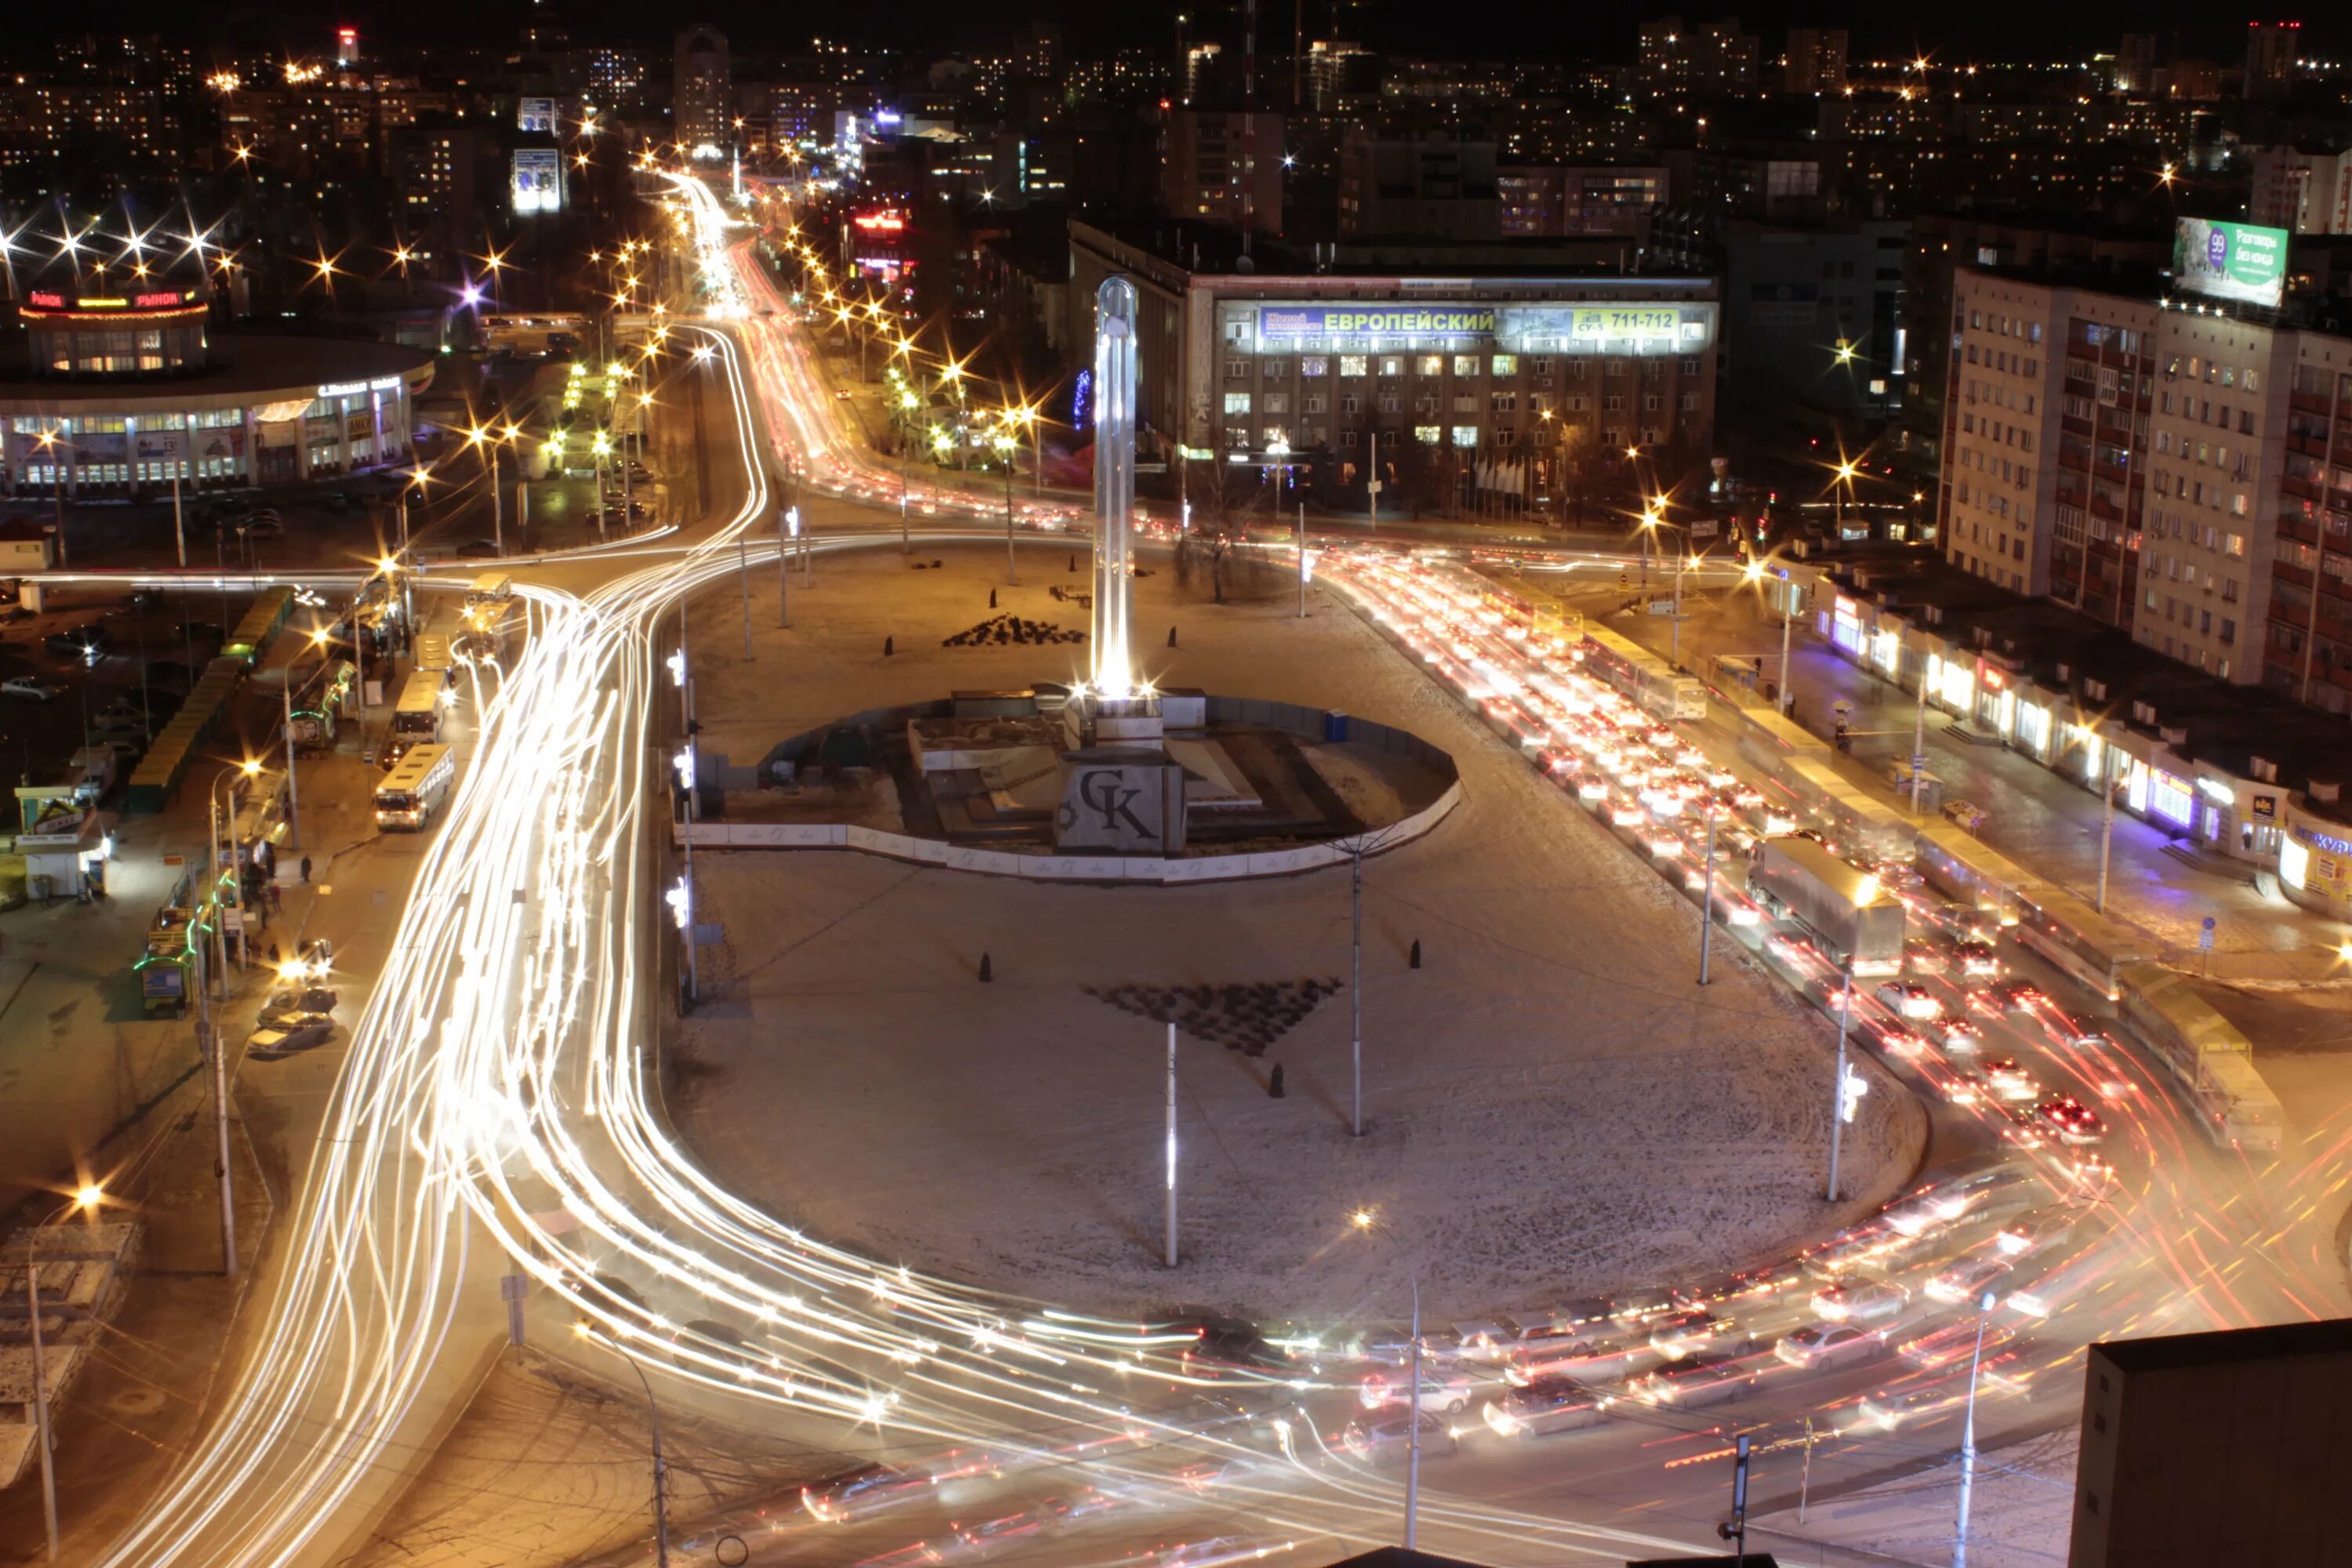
(1114, 669)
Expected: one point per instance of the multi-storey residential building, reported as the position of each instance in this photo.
(2160, 463)
(1223, 165)
(1681, 61)
(1548, 203)
(702, 101)
(1815, 62)
(1434, 186)
(2306, 193)
(2271, 49)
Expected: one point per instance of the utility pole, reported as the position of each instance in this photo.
(293, 791)
(1011, 566)
(2106, 820)
(179, 522)
(1706, 899)
(1372, 485)
(1837, 1092)
(1413, 1427)
(744, 571)
(1355, 987)
(1302, 561)
(41, 1396)
(788, 524)
(1787, 625)
(1919, 746)
(1171, 1145)
(209, 1051)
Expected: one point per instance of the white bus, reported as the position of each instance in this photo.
(436, 656)
(408, 797)
(1643, 675)
(418, 713)
(487, 600)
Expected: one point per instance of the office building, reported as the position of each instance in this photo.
(1490, 354)
(1813, 317)
(2214, 1447)
(1432, 186)
(702, 99)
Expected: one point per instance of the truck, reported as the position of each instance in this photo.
(164, 970)
(1855, 918)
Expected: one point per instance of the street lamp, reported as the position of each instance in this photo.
(486, 442)
(1968, 1436)
(661, 1471)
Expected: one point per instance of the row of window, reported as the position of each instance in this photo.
(2203, 535)
(2203, 369)
(2009, 326)
(1237, 437)
(2003, 361)
(118, 423)
(2189, 617)
(2197, 491)
(1578, 369)
(1543, 406)
(2007, 435)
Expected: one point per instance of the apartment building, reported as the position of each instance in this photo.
(2176, 470)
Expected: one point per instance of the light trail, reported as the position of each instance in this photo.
(497, 1078)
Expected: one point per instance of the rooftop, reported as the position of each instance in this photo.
(2224, 1347)
(241, 364)
(2223, 724)
(1199, 248)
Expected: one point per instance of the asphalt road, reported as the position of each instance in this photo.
(495, 1112)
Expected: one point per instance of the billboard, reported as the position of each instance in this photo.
(538, 180)
(2230, 261)
(535, 116)
(1277, 323)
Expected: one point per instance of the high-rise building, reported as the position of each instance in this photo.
(1434, 186)
(2136, 64)
(702, 99)
(1334, 68)
(1680, 60)
(2309, 192)
(347, 48)
(1816, 61)
(2151, 464)
(616, 78)
(2270, 57)
(1223, 165)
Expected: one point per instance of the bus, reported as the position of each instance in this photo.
(1643, 675)
(408, 797)
(436, 656)
(418, 713)
(2091, 949)
(2206, 1052)
(490, 591)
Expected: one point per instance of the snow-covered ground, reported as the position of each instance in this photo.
(1556, 1108)
(2020, 1511)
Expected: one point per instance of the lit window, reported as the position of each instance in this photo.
(1465, 435)
(1427, 435)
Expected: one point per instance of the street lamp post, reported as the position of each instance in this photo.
(661, 1470)
(1706, 898)
(1838, 1096)
(1968, 1438)
(2106, 819)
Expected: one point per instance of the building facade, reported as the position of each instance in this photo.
(1480, 363)
(1222, 166)
(2170, 468)
(127, 393)
(2304, 193)
(702, 88)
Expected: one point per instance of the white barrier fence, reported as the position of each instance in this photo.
(1039, 867)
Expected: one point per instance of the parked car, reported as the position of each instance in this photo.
(83, 642)
(1822, 1347)
(30, 688)
(478, 549)
(298, 1001)
(261, 527)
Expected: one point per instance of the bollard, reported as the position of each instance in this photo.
(889, 646)
(987, 974)
(1274, 1088)
(991, 598)
(1074, 563)
(1416, 954)
(1171, 637)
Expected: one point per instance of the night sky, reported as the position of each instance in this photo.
(1498, 29)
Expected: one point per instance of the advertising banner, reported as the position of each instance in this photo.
(1586, 329)
(538, 180)
(2230, 261)
(1277, 323)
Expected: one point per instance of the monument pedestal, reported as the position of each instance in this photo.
(1113, 723)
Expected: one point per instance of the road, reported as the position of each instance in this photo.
(496, 1112)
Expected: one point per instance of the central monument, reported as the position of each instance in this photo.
(1121, 791)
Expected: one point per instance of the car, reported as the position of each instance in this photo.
(2016, 996)
(2073, 1121)
(296, 1034)
(2010, 1081)
(1544, 1407)
(1961, 1088)
(1848, 1250)
(121, 728)
(203, 631)
(1677, 1336)
(1390, 1344)
(30, 688)
(1923, 957)
(1915, 1213)
(1950, 1343)
(478, 549)
(1222, 1345)
(82, 643)
(1976, 958)
(298, 1001)
(1861, 1301)
(1448, 1395)
(864, 1492)
(2019, 1127)
(1822, 1347)
(1909, 999)
(1385, 1440)
(1959, 1034)
(2036, 1230)
(261, 527)
(1695, 1383)
(1973, 1276)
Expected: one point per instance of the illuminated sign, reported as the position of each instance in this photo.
(2230, 261)
(886, 223)
(1590, 326)
(1277, 323)
(109, 302)
(171, 297)
(537, 181)
(41, 299)
(535, 115)
(359, 388)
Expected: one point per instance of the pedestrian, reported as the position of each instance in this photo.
(1273, 1086)
(273, 955)
(306, 868)
(276, 898)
